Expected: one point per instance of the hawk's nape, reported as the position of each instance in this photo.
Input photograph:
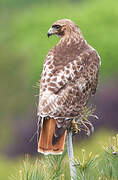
(69, 78)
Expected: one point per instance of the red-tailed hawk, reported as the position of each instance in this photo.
(69, 78)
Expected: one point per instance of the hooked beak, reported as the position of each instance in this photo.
(50, 32)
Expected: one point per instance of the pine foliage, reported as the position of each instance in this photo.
(89, 167)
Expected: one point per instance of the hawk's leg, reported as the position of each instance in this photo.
(74, 126)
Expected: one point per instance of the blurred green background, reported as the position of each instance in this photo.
(23, 47)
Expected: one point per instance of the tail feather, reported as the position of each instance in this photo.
(58, 133)
(45, 145)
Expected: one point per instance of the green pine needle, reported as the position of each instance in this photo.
(89, 167)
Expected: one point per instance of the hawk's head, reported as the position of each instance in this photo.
(63, 27)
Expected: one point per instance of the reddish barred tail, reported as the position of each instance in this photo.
(45, 141)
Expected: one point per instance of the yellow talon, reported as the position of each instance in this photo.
(74, 126)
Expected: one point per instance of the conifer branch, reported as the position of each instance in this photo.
(71, 156)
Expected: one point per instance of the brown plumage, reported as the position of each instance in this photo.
(69, 78)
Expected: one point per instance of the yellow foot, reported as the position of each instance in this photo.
(74, 126)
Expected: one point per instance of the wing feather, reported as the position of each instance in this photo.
(65, 84)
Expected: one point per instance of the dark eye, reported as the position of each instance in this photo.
(56, 26)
